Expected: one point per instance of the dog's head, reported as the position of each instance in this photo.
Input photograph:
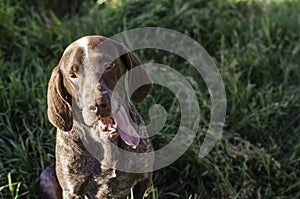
(83, 81)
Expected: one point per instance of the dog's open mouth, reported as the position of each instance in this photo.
(107, 126)
(118, 124)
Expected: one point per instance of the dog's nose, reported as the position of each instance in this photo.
(93, 108)
(101, 106)
(96, 107)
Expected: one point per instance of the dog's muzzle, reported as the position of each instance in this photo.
(118, 125)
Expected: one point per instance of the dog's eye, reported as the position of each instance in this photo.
(110, 66)
(73, 75)
(74, 71)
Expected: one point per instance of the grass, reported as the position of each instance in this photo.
(256, 47)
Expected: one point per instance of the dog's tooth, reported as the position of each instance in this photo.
(113, 174)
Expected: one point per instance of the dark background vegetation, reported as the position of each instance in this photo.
(255, 45)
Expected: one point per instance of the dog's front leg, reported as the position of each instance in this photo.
(69, 195)
(72, 167)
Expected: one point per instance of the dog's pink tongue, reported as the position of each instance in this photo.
(131, 140)
(125, 129)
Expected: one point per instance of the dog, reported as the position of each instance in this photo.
(81, 107)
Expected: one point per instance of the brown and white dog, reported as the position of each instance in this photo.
(80, 106)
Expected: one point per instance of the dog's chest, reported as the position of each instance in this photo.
(98, 166)
(112, 183)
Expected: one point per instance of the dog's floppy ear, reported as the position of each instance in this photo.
(59, 108)
(131, 61)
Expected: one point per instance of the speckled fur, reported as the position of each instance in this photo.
(77, 172)
(75, 164)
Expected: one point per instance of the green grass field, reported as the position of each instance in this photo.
(256, 46)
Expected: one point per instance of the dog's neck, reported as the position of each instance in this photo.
(99, 147)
